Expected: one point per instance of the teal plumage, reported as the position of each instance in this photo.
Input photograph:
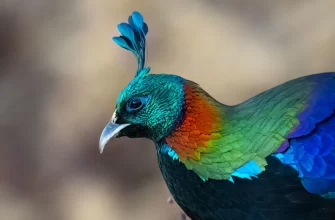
(133, 38)
(270, 157)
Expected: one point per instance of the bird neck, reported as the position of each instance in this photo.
(203, 119)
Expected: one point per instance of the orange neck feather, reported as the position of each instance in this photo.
(202, 118)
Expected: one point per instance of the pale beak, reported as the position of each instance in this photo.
(110, 131)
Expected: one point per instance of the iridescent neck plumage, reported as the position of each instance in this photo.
(204, 118)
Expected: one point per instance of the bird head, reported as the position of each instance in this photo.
(151, 105)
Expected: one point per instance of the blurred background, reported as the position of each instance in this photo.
(60, 74)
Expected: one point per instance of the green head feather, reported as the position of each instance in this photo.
(161, 104)
(151, 103)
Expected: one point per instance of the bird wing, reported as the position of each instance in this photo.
(311, 148)
(264, 125)
(313, 156)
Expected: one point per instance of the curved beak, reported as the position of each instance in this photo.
(110, 131)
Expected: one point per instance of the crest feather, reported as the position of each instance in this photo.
(133, 39)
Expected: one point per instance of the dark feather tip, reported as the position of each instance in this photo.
(122, 42)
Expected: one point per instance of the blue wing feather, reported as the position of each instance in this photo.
(321, 104)
(314, 157)
(312, 145)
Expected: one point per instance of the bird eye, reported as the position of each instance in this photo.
(136, 103)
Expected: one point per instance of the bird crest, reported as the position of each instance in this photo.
(133, 39)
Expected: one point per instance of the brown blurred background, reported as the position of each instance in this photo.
(60, 74)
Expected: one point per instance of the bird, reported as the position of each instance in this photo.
(271, 157)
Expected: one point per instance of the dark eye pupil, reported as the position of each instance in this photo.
(136, 103)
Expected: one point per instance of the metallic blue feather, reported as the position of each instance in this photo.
(312, 147)
(321, 104)
(314, 157)
(123, 43)
(137, 19)
(133, 38)
(126, 31)
(248, 170)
